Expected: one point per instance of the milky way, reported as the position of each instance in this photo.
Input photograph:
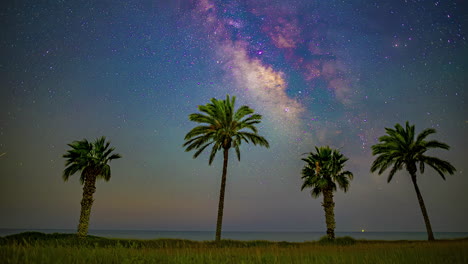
(255, 40)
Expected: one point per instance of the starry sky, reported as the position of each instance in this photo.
(320, 72)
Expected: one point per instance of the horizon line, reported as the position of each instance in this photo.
(239, 231)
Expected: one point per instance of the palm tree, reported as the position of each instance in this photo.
(92, 159)
(323, 172)
(223, 128)
(400, 149)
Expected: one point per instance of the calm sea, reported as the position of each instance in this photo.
(272, 236)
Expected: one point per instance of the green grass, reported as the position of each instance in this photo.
(35, 247)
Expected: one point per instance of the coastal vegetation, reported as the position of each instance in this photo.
(223, 128)
(36, 247)
(400, 149)
(92, 160)
(323, 172)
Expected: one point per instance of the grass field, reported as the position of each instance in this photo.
(65, 248)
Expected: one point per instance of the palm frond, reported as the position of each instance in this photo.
(316, 191)
(424, 134)
(216, 147)
(114, 156)
(395, 168)
(70, 170)
(441, 166)
(242, 112)
(200, 118)
(343, 180)
(201, 149)
(105, 172)
(435, 144)
(255, 139)
(199, 130)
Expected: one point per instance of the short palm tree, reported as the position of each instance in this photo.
(400, 149)
(323, 173)
(92, 160)
(223, 128)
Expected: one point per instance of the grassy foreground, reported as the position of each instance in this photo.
(34, 247)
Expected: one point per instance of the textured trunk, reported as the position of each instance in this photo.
(329, 207)
(86, 203)
(430, 235)
(219, 222)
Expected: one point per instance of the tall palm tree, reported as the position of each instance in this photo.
(223, 128)
(92, 159)
(323, 172)
(400, 149)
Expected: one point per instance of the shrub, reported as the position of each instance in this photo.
(341, 241)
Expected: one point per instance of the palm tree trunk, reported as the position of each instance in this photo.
(86, 203)
(430, 235)
(329, 208)
(219, 221)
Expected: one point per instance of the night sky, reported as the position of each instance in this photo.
(320, 72)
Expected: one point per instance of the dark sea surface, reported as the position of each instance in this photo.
(271, 236)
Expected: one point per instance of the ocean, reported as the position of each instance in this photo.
(271, 236)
